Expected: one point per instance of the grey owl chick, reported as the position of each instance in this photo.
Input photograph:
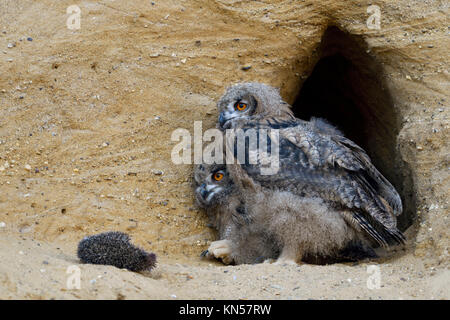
(315, 160)
(257, 224)
(241, 241)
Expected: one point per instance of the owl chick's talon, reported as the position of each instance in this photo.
(220, 249)
(204, 253)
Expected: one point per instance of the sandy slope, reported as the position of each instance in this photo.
(86, 118)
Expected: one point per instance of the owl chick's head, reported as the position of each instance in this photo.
(213, 184)
(250, 101)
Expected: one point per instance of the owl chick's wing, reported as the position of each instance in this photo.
(337, 169)
(349, 150)
(337, 151)
(376, 200)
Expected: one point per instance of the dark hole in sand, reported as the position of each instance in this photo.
(346, 86)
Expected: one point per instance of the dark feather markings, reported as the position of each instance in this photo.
(377, 231)
(377, 180)
(354, 165)
(241, 217)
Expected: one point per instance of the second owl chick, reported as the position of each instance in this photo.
(241, 239)
(256, 224)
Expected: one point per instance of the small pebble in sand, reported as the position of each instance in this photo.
(27, 167)
(157, 172)
(245, 68)
(11, 45)
(2, 224)
(275, 286)
(30, 39)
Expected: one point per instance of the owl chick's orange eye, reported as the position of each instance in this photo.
(240, 106)
(218, 176)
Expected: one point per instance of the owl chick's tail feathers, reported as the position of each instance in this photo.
(381, 234)
(385, 189)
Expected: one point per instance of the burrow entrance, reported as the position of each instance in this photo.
(346, 87)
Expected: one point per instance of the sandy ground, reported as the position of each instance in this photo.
(86, 118)
(37, 270)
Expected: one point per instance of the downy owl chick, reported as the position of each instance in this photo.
(256, 224)
(241, 241)
(315, 161)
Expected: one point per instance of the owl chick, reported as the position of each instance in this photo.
(315, 161)
(257, 224)
(241, 241)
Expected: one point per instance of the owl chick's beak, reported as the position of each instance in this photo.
(224, 120)
(202, 192)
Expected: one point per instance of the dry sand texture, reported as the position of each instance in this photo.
(86, 118)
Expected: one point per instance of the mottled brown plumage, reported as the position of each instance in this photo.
(316, 161)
